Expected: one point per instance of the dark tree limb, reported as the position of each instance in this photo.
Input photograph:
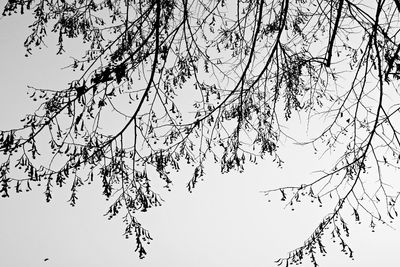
(334, 32)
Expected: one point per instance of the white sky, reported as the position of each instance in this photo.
(225, 222)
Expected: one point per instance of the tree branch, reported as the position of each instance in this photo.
(332, 40)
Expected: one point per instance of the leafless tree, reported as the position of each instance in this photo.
(191, 80)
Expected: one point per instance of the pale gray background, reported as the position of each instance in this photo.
(225, 222)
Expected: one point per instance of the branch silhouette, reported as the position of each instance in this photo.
(186, 81)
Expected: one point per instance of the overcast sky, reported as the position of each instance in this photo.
(225, 222)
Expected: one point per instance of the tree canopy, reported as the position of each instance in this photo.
(186, 82)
